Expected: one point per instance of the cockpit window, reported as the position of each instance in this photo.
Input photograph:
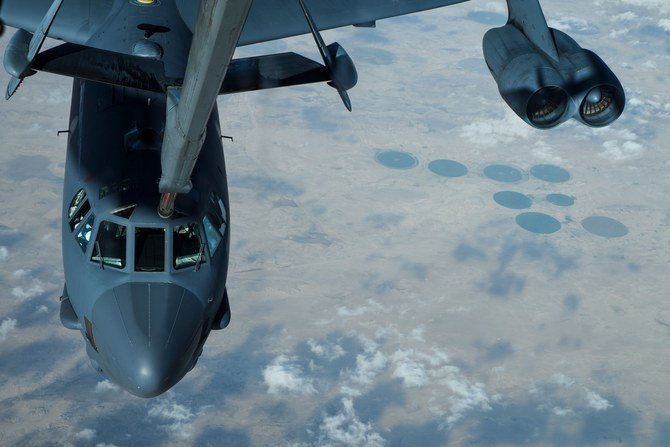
(111, 245)
(214, 222)
(149, 249)
(84, 234)
(212, 234)
(79, 216)
(217, 212)
(76, 200)
(186, 246)
(125, 211)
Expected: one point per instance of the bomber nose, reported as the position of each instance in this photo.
(146, 334)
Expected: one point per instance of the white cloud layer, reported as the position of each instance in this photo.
(27, 293)
(492, 7)
(7, 326)
(104, 386)
(417, 369)
(595, 401)
(657, 6)
(492, 132)
(409, 369)
(467, 397)
(621, 151)
(345, 429)
(86, 434)
(285, 376)
(328, 352)
(573, 25)
(174, 417)
(368, 365)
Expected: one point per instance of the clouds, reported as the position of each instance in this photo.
(327, 351)
(345, 429)
(572, 394)
(655, 5)
(105, 386)
(648, 107)
(372, 306)
(496, 131)
(6, 327)
(491, 7)
(623, 144)
(417, 369)
(595, 401)
(621, 150)
(368, 366)
(86, 434)
(283, 375)
(26, 293)
(410, 369)
(414, 367)
(575, 25)
(624, 17)
(467, 397)
(172, 416)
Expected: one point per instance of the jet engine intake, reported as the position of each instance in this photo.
(592, 84)
(546, 92)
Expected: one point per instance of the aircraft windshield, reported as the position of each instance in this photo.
(111, 247)
(149, 249)
(76, 200)
(214, 222)
(186, 246)
(217, 212)
(84, 234)
(76, 220)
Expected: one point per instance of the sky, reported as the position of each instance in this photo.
(375, 302)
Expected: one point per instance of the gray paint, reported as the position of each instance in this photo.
(148, 327)
(189, 107)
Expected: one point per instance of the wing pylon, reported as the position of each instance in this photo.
(340, 67)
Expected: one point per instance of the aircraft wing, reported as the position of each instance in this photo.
(276, 19)
(82, 20)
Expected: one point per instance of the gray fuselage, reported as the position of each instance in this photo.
(144, 291)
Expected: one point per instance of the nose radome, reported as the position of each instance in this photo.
(146, 334)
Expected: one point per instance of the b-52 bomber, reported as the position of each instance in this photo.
(145, 217)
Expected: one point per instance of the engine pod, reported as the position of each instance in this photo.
(590, 82)
(527, 80)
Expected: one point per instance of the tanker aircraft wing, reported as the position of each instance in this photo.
(267, 20)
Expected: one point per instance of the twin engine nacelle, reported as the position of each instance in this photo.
(546, 92)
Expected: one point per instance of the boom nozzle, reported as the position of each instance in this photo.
(166, 205)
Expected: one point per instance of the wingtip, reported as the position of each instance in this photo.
(345, 99)
(12, 86)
